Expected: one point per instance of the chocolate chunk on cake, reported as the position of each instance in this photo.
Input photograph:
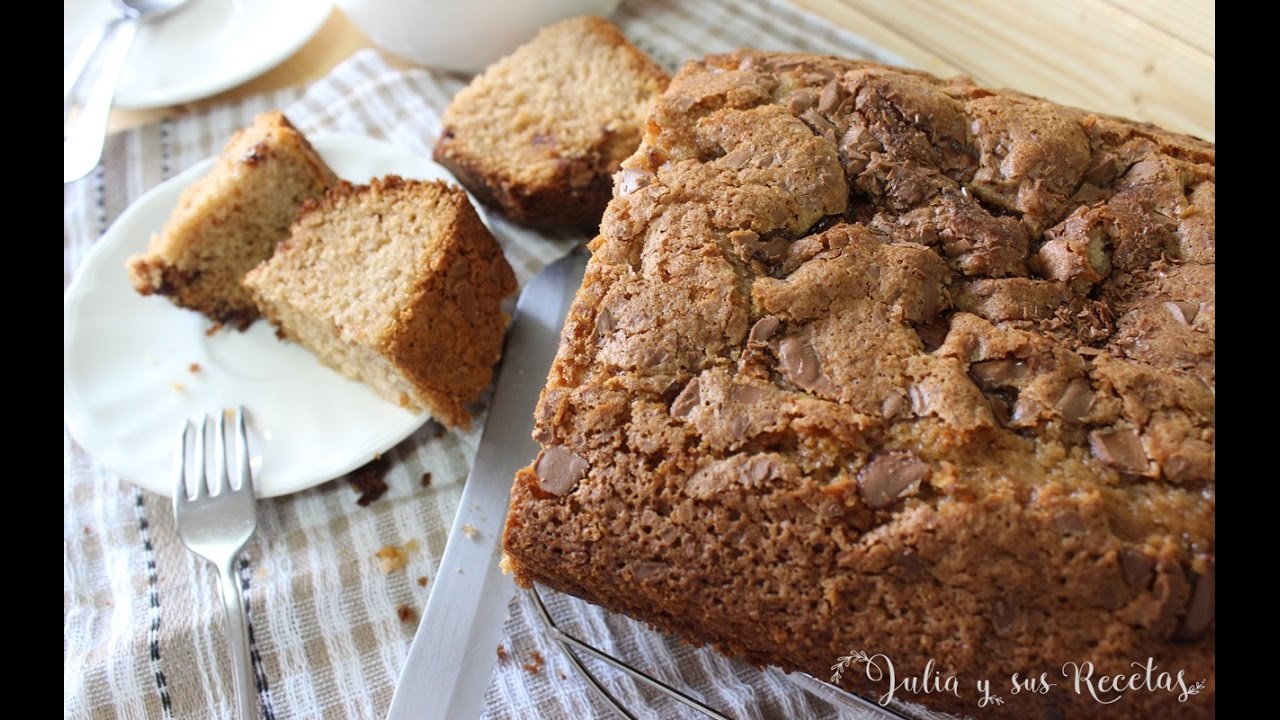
(869, 360)
(539, 134)
(231, 219)
(396, 284)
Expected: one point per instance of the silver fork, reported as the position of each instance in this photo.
(215, 517)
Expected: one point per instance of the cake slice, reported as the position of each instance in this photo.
(231, 219)
(396, 284)
(540, 133)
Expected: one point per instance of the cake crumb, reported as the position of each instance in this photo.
(194, 368)
(502, 653)
(560, 674)
(392, 558)
(370, 480)
(213, 329)
(178, 387)
(470, 531)
(406, 614)
(87, 530)
(411, 545)
(422, 581)
(535, 666)
(426, 479)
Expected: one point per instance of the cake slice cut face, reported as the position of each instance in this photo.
(231, 219)
(396, 284)
(869, 360)
(540, 133)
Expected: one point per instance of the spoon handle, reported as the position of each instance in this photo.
(84, 56)
(83, 138)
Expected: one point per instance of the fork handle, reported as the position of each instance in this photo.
(238, 641)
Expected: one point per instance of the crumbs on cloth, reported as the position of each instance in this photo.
(370, 480)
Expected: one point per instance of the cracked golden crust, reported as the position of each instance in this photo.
(867, 359)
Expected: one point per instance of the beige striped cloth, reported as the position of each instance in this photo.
(142, 625)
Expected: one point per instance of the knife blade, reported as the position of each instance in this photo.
(447, 671)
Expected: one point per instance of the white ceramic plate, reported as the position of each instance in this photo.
(127, 380)
(200, 49)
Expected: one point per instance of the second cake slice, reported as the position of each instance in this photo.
(397, 284)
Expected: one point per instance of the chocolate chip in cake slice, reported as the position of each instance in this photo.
(800, 363)
(889, 477)
(1121, 448)
(1076, 401)
(559, 469)
(1183, 312)
(997, 373)
(687, 401)
(1137, 568)
(1200, 610)
(604, 324)
(892, 405)
(932, 336)
(764, 329)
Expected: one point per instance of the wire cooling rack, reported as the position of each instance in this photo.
(570, 646)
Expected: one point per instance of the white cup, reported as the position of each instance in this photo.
(461, 35)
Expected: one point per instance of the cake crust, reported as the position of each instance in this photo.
(231, 219)
(397, 284)
(869, 360)
(539, 134)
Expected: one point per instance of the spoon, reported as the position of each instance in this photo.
(82, 140)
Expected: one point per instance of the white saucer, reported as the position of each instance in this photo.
(200, 49)
(128, 383)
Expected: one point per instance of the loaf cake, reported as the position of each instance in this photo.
(396, 284)
(539, 134)
(866, 360)
(231, 219)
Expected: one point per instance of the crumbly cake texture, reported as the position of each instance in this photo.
(540, 133)
(397, 284)
(869, 360)
(231, 219)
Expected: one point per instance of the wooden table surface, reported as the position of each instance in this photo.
(1144, 59)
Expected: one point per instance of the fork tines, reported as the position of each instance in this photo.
(190, 470)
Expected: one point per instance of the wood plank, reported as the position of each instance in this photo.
(1086, 53)
(852, 16)
(1191, 21)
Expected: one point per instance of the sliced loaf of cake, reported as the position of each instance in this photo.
(396, 284)
(231, 219)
